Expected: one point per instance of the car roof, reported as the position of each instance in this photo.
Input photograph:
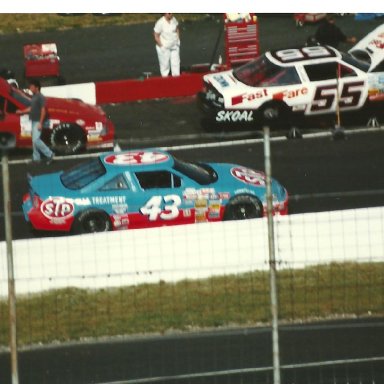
(137, 160)
(316, 54)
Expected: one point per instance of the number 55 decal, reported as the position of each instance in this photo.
(325, 96)
(153, 208)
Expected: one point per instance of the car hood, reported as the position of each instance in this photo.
(242, 179)
(370, 48)
(73, 107)
(222, 81)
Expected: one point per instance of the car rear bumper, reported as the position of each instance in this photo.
(106, 140)
(39, 221)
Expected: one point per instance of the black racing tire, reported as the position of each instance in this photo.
(67, 139)
(243, 207)
(275, 115)
(91, 221)
(7, 140)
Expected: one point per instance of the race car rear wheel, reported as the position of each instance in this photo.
(67, 139)
(90, 221)
(243, 207)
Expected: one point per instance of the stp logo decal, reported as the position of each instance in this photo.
(57, 208)
(136, 158)
(248, 176)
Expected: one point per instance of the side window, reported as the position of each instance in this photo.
(117, 183)
(2, 101)
(318, 72)
(285, 76)
(158, 179)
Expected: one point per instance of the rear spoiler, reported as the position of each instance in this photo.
(370, 49)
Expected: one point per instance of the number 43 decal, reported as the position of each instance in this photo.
(163, 207)
(325, 96)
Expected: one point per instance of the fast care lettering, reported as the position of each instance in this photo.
(234, 116)
(249, 96)
(290, 94)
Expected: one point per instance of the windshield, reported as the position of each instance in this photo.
(83, 174)
(201, 173)
(20, 96)
(362, 65)
(262, 73)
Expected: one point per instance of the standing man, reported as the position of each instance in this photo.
(167, 37)
(37, 113)
(328, 33)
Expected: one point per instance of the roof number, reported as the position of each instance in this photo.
(136, 158)
(304, 53)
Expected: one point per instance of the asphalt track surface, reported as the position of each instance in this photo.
(319, 173)
(334, 352)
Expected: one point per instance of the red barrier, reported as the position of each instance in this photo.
(120, 91)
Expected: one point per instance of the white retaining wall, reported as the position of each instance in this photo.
(85, 92)
(193, 251)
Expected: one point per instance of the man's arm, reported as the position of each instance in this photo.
(351, 39)
(23, 111)
(157, 38)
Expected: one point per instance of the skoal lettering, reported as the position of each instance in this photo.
(234, 116)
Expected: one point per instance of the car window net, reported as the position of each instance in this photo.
(154, 179)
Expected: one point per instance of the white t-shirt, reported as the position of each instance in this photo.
(168, 32)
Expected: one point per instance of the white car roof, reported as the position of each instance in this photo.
(370, 48)
(305, 55)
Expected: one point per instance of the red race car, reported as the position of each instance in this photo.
(70, 126)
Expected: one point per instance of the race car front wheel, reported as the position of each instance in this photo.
(67, 139)
(275, 114)
(243, 207)
(91, 221)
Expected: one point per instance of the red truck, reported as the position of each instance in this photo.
(71, 125)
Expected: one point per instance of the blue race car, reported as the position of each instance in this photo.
(146, 188)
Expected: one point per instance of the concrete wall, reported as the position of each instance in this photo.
(193, 251)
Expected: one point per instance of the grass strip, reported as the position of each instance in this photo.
(317, 292)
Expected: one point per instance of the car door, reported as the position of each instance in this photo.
(113, 196)
(159, 200)
(333, 84)
(11, 123)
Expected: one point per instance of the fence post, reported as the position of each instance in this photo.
(11, 278)
(272, 260)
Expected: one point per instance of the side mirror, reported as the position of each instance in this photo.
(7, 140)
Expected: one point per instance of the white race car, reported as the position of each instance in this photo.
(307, 81)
